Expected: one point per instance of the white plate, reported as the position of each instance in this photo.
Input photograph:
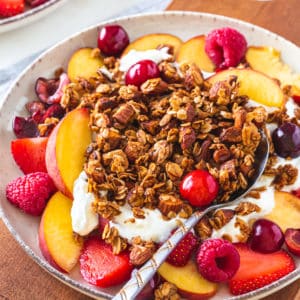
(29, 15)
(183, 24)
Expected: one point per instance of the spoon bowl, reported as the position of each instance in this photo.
(139, 278)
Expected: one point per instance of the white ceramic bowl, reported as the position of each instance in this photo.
(183, 24)
(29, 15)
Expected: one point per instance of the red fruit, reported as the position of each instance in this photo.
(112, 40)
(180, 256)
(54, 111)
(30, 192)
(141, 71)
(35, 3)
(29, 154)
(296, 99)
(266, 236)
(292, 240)
(199, 187)
(99, 266)
(225, 47)
(217, 260)
(9, 8)
(24, 128)
(296, 193)
(257, 269)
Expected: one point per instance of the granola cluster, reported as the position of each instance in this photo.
(147, 139)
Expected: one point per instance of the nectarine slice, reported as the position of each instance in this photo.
(188, 280)
(286, 213)
(268, 61)
(257, 86)
(84, 64)
(66, 148)
(192, 51)
(152, 41)
(56, 235)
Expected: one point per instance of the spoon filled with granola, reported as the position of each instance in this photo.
(141, 277)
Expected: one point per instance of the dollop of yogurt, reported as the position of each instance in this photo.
(134, 56)
(152, 228)
(84, 219)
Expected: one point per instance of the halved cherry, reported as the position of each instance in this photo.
(292, 240)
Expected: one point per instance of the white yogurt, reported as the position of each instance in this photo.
(152, 228)
(290, 108)
(269, 109)
(84, 219)
(133, 56)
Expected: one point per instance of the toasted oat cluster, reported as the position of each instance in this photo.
(146, 140)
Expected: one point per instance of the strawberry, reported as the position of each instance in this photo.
(296, 99)
(100, 266)
(9, 8)
(30, 192)
(29, 154)
(180, 256)
(257, 269)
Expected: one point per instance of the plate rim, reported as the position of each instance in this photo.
(63, 277)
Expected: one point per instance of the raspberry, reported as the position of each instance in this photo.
(30, 192)
(180, 256)
(225, 47)
(217, 260)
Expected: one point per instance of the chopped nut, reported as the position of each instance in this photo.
(231, 135)
(140, 254)
(124, 114)
(221, 155)
(187, 137)
(134, 150)
(168, 203)
(154, 86)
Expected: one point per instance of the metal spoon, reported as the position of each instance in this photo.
(139, 278)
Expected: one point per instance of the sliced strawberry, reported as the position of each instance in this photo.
(297, 99)
(180, 256)
(99, 266)
(257, 270)
(29, 154)
(9, 8)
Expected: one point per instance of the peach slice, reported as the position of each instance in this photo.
(192, 51)
(56, 239)
(83, 63)
(286, 213)
(188, 280)
(257, 86)
(152, 41)
(268, 61)
(66, 148)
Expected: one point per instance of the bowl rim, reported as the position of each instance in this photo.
(28, 13)
(63, 277)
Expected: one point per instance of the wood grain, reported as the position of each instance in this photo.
(22, 279)
(279, 16)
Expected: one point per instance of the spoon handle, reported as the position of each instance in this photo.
(139, 278)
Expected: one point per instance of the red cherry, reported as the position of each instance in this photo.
(266, 236)
(112, 40)
(296, 99)
(141, 71)
(199, 187)
(292, 240)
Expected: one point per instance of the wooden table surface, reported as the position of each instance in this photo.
(21, 278)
